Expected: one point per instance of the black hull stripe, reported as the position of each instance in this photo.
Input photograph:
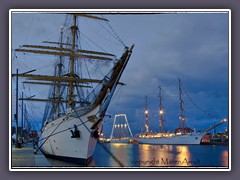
(79, 161)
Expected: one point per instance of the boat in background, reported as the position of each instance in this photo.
(219, 138)
(182, 135)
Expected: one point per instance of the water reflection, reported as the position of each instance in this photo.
(149, 155)
(182, 156)
(119, 152)
(224, 158)
(139, 155)
(164, 155)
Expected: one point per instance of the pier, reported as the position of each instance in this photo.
(25, 157)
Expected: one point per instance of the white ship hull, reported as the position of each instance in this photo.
(56, 139)
(193, 138)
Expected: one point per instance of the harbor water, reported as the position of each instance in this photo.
(114, 155)
(143, 155)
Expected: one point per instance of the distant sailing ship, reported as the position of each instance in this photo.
(182, 135)
(71, 133)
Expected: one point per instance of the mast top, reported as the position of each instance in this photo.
(160, 101)
(161, 110)
(181, 116)
(89, 16)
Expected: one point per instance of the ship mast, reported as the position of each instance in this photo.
(57, 94)
(146, 115)
(161, 110)
(181, 116)
(60, 73)
(59, 80)
(72, 58)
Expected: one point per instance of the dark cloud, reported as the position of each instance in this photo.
(193, 46)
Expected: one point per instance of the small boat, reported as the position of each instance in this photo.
(215, 139)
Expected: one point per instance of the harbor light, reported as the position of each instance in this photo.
(178, 133)
(146, 126)
(161, 112)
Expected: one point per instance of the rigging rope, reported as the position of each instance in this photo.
(31, 115)
(93, 42)
(48, 137)
(30, 27)
(199, 108)
(88, 71)
(111, 154)
(120, 93)
(42, 27)
(114, 34)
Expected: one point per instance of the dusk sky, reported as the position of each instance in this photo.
(192, 46)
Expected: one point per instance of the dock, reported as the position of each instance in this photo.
(25, 157)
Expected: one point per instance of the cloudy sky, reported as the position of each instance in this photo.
(192, 46)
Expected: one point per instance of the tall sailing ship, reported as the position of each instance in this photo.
(73, 116)
(182, 135)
